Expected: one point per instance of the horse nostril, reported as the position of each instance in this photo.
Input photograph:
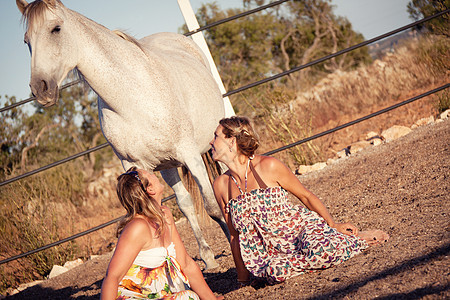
(44, 86)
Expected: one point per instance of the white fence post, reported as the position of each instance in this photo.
(199, 39)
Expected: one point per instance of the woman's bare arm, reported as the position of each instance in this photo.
(131, 241)
(278, 172)
(188, 265)
(220, 187)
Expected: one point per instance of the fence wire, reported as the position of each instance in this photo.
(34, 98)
(56, 163)
(249, 12)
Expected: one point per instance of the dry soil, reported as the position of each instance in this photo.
(401, 187)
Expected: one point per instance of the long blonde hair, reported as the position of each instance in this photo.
(132, 193)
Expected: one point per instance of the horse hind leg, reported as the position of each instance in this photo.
(186, 205)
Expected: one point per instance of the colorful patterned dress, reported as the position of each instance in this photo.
(156, 274)
(279, 240)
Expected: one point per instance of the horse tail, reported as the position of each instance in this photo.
(214, 170)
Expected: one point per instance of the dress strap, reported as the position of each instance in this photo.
(259, 181)
(246, 170)
(237, 184)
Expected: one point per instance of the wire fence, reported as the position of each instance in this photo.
(267, 153)
(246, 13)
(228, 94)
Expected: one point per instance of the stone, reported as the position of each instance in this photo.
(318, 166)
(376, 141)
(358, 146)
(306, 169)
(29, 284)
(57, 270)
(395, 132)
(343, 153)
(374, 138)
(72, 264)
(302, 169)
(424, 121)
(21, 288)
(445, 115)
(331, 161)
(370, 135)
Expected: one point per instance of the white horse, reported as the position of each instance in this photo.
(158, 102)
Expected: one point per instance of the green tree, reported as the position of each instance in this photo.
(241, 48)
(10, 135)
(276, 40)
(317, 33)
(419, 9)
(31, 140)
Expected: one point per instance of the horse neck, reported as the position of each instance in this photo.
(105, 61)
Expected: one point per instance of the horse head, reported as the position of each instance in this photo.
(52, 48)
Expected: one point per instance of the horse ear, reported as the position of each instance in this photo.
(21, 4)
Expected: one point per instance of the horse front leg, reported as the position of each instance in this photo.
(186, 205)
(198, 170)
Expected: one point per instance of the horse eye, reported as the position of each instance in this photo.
(56, 29)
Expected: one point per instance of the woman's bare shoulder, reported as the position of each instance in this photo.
(138, 226)
(222, 180)
(220, 187)
(267, 163)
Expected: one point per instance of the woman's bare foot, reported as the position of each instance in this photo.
(374, 237)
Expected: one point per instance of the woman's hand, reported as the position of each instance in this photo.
(346, 228)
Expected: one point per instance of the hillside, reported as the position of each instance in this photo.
(400, 186)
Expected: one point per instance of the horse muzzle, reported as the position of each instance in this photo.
(46, 92)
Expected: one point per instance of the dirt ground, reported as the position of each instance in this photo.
(401, 187)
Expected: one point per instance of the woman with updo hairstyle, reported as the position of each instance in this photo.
(240, 128)
(271, 238)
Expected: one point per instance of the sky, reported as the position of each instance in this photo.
(143, 17)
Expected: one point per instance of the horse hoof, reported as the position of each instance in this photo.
(211, 265)
(207, 255)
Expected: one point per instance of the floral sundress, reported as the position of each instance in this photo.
(279, 240)
(156, 274)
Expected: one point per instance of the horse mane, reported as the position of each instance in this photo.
(128, 38)
(34, 12)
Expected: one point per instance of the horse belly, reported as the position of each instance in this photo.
(136, 144)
